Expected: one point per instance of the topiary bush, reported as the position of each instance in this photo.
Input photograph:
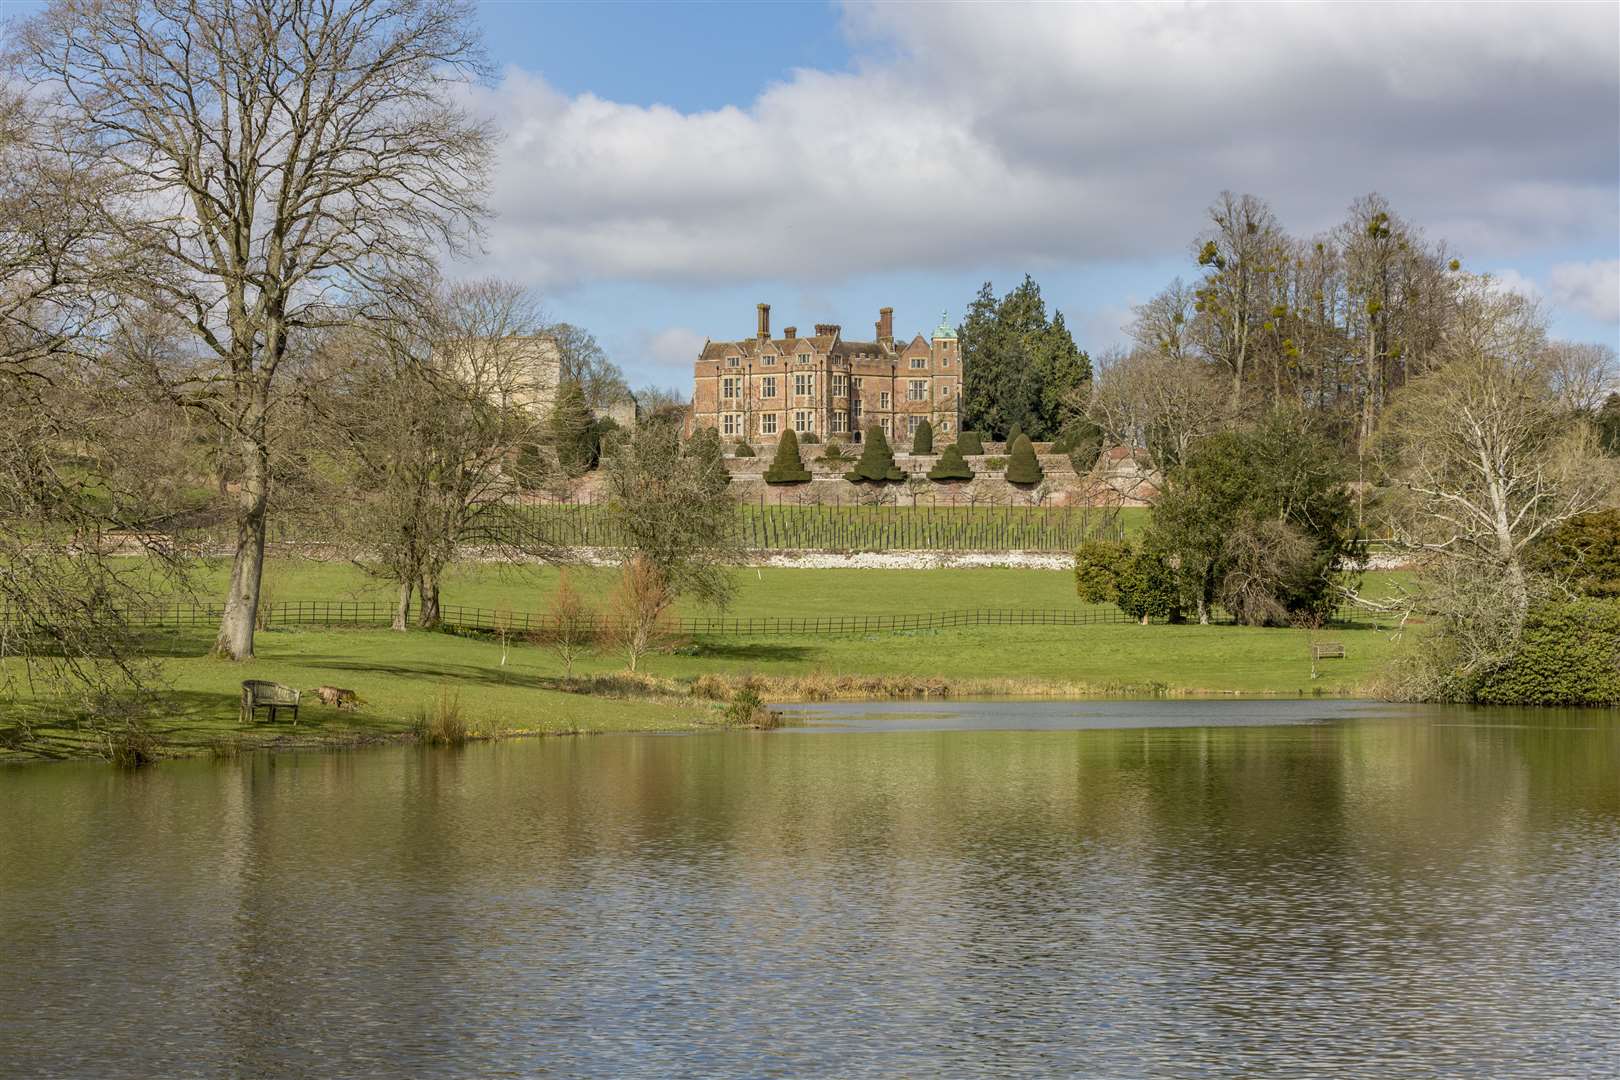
(743, 450)
(1013, 435)
(1022, 466)
(950, 466)
(787, 467)
(969, 443)
(877, 460)
(922, 440)
(1568, 654)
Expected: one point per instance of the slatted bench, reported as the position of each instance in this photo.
(1327, 650)
(269, 696)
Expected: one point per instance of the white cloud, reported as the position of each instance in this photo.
(996, 135)
(1509, 280)
(1589, 288)
(675, 346)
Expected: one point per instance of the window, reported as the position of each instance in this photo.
(944, 389)
(804, 358)
(840, 384)
(804, 384)
(767, 386)
(804, 420)
(858, 381)
(945, 427)
(840, 422)
(855, 407)
(767, 423)
(944, 361)
(911, 424)
(919, 362)
(729, 424)
(917, 390)
(730, 387)
(883, 399)
(768, 360)
(733, 361)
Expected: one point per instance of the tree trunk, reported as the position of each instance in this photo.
(402, 611)
(430, 600)
(235, 640)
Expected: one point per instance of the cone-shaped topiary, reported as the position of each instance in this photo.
(950, 466)
(969, 443)
(922, 440)
(1013, 434)
(877, 460)
(787, 467)
(1022, 467)
(743, 450)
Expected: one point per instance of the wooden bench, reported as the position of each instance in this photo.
(272, 697)
(1327, 650)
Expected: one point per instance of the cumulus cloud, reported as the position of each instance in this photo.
(1590, 288)
(974, 134)
(674, 346)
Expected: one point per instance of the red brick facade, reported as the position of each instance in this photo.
(756, 388)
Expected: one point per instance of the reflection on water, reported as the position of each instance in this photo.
(1353, 890)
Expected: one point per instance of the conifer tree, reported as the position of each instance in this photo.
(1014, 433)
(922, 441)
(571, 429)
(1022, 467)
(877, 460)
(950, 466)
(787, 467)
(968, 442)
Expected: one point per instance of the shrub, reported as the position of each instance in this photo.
(877, 460)
(441, 723)
(1147, 588)
(572, 624)
(1098, 565)
(950, 466)
(995, 464)
(747, 709)
(1568, 654)
(835, 452)
(922, 440)
(811, 438)
(1022, 467)
(969, 443)
(1014, 434)
(743, 450)
(1583, 552)
(787, 467)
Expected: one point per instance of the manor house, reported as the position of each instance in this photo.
(821, 384)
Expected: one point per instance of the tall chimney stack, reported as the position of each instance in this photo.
(791, 333)
(764, 322)
(885, 324)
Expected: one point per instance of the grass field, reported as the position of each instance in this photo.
(398, 673)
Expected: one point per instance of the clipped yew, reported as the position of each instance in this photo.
(1022, 466)
(787, 467)
(950, 466)
(922, 440)
(877, 460)
(1014, 435)
(969, 443)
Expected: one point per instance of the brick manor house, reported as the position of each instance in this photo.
(757, 388)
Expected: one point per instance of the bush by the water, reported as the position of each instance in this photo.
(1568, 654)
(922, 440)
(950, 466)
(441, 722)
(787, 467)
(877, 460)
(969, 443)
(1022, 466)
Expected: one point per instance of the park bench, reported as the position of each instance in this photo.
(272, 697)
(1327, 650)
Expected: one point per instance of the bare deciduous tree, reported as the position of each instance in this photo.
(639, 609)
(1582, 375)
(570, 629)
(265, 156)
(1151, 401)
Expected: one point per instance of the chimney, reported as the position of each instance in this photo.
(827, 329)
(764, 322)
(791, 332)
(885, 324)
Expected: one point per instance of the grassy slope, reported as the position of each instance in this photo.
(396, 673)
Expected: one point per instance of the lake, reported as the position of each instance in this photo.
(1106, 889)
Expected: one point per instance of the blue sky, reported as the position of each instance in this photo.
(668, 166)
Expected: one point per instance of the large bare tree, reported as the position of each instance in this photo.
(268, 155)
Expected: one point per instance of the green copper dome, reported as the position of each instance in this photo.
(944, 330)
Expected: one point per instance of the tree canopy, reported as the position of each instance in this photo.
(1018, 365)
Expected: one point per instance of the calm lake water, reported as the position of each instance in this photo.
(996, 889)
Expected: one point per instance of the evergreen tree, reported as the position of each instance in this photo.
(572, 431)
(1022, 466)
(1608, 422)
(1018, 365)
(922, 440)
(968, 442)
(1146, 588)
(787, 467)
(950, 466)
(1014, 433)
(877, 460)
